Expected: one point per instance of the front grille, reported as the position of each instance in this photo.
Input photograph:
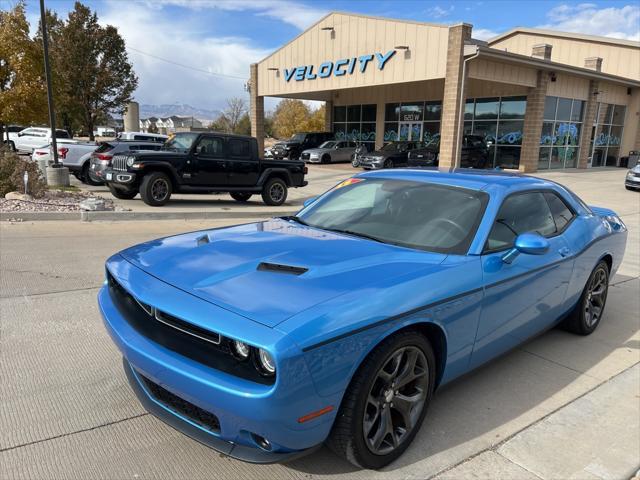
(119, 162)
(189, 340)
(180, 406)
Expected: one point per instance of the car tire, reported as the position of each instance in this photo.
(274, 192)
(326, 158)
(349, 437)
(586, 316)
(123, 194)
(240, 197)
(86, 177)
(388, 164)
(156, 189)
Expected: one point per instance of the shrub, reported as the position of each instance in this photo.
(12, 169)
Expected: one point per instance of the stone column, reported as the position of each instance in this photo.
(587, 125)
(453, 97)
(532, 129)
(256, 110)
(328, 116)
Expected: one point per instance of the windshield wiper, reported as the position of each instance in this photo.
(295, 218)
(356, 234)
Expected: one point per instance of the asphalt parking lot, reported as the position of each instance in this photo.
(560, 406)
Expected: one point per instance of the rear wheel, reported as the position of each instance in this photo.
(386, 401)
(86, 178)
(240, 197)
(274, 192)
(123, 194)
(388, 163)
(590, 308)
(156, 189)
(326, 158)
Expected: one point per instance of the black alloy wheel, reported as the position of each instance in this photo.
(156, 189)
(388, 163)
(396, 400)
(386, 401)
(589, 310)
(240, 197)
(274, 192)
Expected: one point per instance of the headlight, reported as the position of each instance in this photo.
(240, 350)
(130, 161)
(629, 174)
(266, 362)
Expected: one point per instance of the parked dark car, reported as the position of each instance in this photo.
(292, 148)
(192, 162)
(474, 154)
(394, 154)
(100, 159)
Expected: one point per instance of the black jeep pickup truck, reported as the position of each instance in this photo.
(194, 162)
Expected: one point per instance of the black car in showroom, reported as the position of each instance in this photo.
(292, 148)
(474, 154)
(391, 155)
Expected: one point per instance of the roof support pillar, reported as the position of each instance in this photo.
(587, 124)
(328, 116)
(532, 130)
(453, 96)
(256, 110)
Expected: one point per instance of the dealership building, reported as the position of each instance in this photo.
(542, 99)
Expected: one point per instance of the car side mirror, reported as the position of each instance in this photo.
(337, 147)
(20, 134)
(529, 243)
(309, 201)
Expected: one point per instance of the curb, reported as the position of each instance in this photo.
(108, 216)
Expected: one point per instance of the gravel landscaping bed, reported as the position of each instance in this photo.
(53, 201)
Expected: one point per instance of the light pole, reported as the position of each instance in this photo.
(47, 73)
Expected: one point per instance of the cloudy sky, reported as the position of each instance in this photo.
(198, 51)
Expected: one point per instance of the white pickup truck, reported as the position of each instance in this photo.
(72, 154)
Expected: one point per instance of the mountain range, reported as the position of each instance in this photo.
(180, 110)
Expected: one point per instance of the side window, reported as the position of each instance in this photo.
(526, 212)
(210, 147)
(562, 214)
(239, 148)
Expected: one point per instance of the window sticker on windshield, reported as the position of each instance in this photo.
(349, 181)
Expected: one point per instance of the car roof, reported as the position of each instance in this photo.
(462, 177)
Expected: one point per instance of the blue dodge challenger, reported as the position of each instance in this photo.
(336, 325)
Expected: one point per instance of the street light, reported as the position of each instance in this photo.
(47, 72)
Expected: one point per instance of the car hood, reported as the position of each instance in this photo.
(635, 169)
(272, 270)
(378, 153)
(317, 150)
(155, 154)
(286, 144)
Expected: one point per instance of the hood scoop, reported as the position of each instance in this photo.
(281, 268)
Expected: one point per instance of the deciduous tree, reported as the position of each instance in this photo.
(99, 78)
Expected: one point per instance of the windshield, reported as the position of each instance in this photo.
(328, 145)
(392, 147)
(411, 214)
(180, 142)
(298, 138)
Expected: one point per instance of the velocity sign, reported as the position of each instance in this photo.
(338, 68)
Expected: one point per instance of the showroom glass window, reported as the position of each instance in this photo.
(356, 123)
(560, 138)
(501, 121)
(607, 135)
(416, 121)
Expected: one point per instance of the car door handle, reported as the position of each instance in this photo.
(564, 252)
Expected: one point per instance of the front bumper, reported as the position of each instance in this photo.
(243, 408)
(119, 178)
(632, 182)
(369, 165)
(197, 432)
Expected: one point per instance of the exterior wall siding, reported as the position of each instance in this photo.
(620, 60)
(352, 36)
